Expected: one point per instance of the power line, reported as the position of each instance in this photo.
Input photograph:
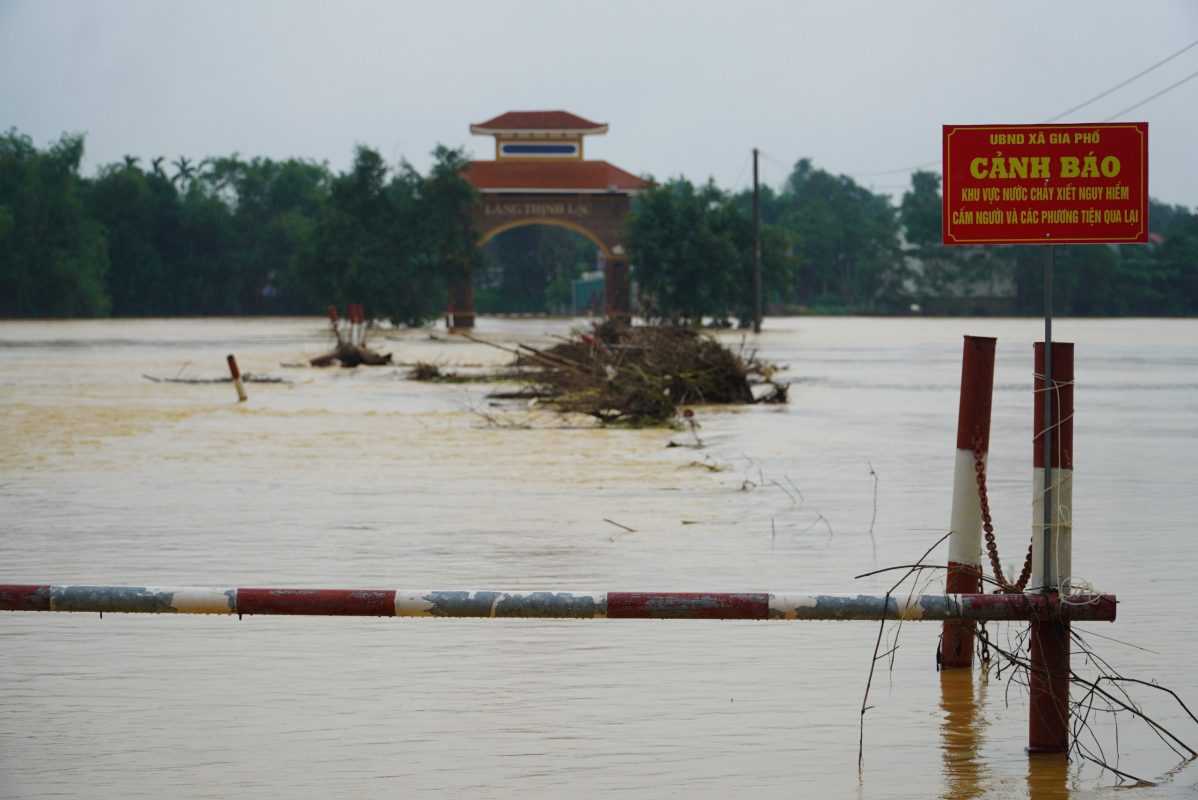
(743, 169)
(1150, 98)
(769, 159)
(899, 171)
(1079, 106)
(1121, 84)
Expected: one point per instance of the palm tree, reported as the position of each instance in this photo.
(183, 170)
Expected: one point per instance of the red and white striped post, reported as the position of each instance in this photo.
(334, 322)
(965, 541)
(1052, 549)
(236, 373)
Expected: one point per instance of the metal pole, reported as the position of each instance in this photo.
(1050, 576)
(756, 248)
(1048, 674)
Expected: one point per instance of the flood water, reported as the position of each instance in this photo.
(360, 478)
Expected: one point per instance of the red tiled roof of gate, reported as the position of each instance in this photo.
(539, 121)
(563, 176)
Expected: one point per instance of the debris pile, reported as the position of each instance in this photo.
(351, 349)
(618, 373)
(424, 371)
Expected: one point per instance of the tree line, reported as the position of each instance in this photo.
(830, 245)
(230, 235)
(227, 235)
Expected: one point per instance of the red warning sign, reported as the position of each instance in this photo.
(1046, 184)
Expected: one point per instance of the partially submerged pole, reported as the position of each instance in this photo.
(334, 322)
(460, 314)
(965, 541)
(1052, 546)
(756, 248)
(1043, 367)
(617, 288)
(547, 604)
(357, 315)
(236, 373)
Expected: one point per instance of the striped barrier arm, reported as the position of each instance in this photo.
(552, 605)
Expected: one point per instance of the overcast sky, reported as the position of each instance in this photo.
(687, 87)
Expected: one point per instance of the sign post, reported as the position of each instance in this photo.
(1047, 184)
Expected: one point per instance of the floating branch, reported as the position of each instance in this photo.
(246, 377)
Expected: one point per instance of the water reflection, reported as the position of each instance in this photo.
(962, 736)
(1047, 776)
(965, 775)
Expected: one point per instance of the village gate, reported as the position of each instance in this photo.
(540, 177)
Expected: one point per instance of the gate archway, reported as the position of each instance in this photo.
(581, 230)
(539, 177)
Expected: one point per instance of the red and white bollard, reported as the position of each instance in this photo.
(965, 541)
(358, 331)
(1052, 551)
(334, 322)
(236, 373)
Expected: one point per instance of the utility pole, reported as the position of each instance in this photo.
(756, 248)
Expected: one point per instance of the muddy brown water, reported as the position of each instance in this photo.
(360, 478)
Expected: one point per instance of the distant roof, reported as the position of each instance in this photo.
(538, 122)
(551, 176)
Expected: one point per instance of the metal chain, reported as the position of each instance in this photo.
(979, 467)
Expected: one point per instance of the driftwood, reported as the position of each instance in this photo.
(246, 377)
(530, 393)
(432, 373)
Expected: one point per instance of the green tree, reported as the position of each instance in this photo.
(1179, 255)
(846, 240)
(692, 249)
(450, 251)
(122, 199)
(779, 264)
(275, 208)
(53, 257)
(391, 239)
(942, 277)
(685, 262)
(1148, 280)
